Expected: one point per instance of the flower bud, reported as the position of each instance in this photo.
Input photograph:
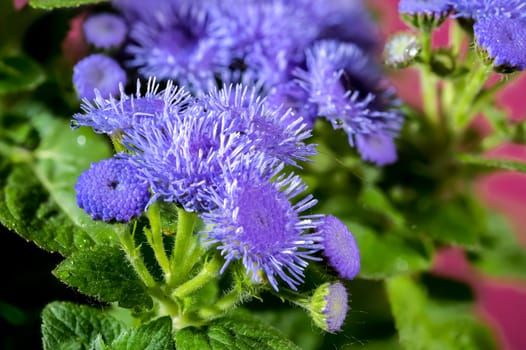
(328, 306)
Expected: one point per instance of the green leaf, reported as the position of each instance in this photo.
(458, 222)
(37, 197)
(236, 333)
(156, 335)
(19, 73)
(501, 253)
(51, 4)
(67, 326)
(387, 255)
(374, 199)
(493, 163)
(427, 324)
(104, 272)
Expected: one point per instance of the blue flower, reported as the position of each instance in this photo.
(332, 17)
(267, 38)
(111, 115)
(255, 222)
(376, 148)
(328, 306)
(273, 129)
(181, 154)
(347, 88)
(339, 247)
(437, 8)
(476, 9)
(178, 44)
(98, 72)
(504, 40)
(292, 95)
(105, 30)
(111, 191)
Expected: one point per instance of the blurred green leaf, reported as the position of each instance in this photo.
(104, 272)
(155, 335)
(427, 324)
(50, 4)
(19, 73)
(387, 255)
(37, 197)
(374, 199)
(501, 253)
(239, 333)
(67, 326)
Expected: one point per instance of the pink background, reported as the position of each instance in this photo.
(501, 303)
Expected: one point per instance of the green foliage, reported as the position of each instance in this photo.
(67, 326)
(429, 324)
(155, 335)
(19, 73)
(387, 255)
(51, 4)
(233, 334)
(104, 272)
(501, 254)
(37, 198)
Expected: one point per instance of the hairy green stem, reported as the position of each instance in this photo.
(463, 111)
(183, 246)
(133, 254)
(428, 81)
(210, 270)
(155, 239)
(223, 304)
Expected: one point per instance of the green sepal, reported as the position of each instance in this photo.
(19, 73)
(51, 4)
(155, 335)
(105, 273)
(233, 333)
(424, 323)
(67, 326)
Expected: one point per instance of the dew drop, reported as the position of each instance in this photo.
(81, 140)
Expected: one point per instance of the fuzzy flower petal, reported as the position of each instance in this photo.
(110, 115)
(339, 247)
(256, 222)
(105, 30)
(476, 9)
(111, 191)
(98, 72)
(273, 129)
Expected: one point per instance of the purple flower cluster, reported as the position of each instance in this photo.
(221, 155)
(277, 46)
(499, 26)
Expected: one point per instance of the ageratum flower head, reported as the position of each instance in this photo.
(329, 305)
(346, 87)
(476, 9)
(98, 72)
(332, 18)
(255, 222)
(437, 8)
(105, 30)
(267, 38)
(181, 154)
(339, 247)
(110, 190)
(503, 40)
(377, 148)
(111, 115)
(292, 95)
(178, 45)
(270, 128)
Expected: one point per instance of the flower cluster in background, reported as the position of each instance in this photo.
(300, 55)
